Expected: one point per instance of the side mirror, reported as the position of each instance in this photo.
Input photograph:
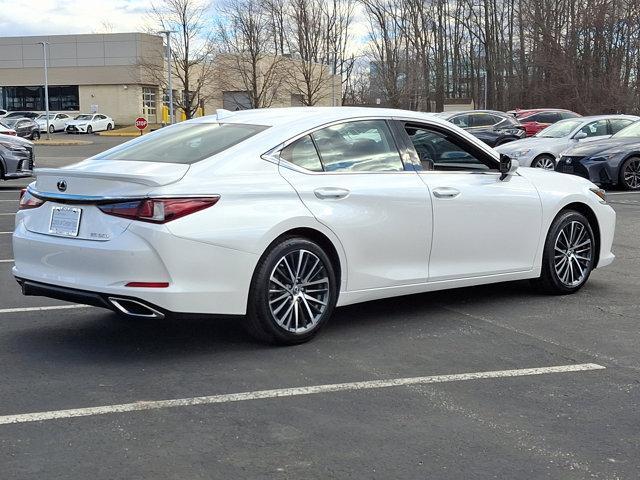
(579, 136)
(507, 166)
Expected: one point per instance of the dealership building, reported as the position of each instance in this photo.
(105, 73)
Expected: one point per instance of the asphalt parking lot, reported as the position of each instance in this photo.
(83, 392)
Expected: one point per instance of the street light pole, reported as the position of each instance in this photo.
(46, 86)
(168, 34)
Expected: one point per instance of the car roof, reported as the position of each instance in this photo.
(590, 118)
(310, 115)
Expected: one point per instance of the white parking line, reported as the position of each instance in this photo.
(8, 260)
(15, 200)
(38, 309)
(621, 193)
(6, 233)
(6, 214)
(288, 392)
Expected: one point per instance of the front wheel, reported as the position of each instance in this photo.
(630, 174)
(52, 129)
(293, 292)
(109, 126)
(569, 254)
(546, 162)
(89, 129)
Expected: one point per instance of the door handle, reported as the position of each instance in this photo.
(331, 193)
(446, 192)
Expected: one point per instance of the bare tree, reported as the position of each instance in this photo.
(247, 59)
(191, 47)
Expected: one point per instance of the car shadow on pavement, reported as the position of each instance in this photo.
(98, 336)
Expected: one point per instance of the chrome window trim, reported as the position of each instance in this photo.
(273, 155)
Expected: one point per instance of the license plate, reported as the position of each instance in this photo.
(65, 221)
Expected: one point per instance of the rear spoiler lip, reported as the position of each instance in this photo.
(124, 177)
(98, 199)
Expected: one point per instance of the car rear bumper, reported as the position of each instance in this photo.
(202, 278)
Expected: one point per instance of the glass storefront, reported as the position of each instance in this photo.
(61, 98)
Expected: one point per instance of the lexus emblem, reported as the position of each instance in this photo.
(568, 161)
(62, 185)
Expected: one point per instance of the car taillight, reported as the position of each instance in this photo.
(158, 210)
(28, 201)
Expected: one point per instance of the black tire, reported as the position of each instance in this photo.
(35, 135)
(630, 174)
(52, 129)
(261, 322)
(89, 130)
(551, 278)
(109, 126)
(543, 161)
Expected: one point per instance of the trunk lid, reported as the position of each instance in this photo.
(81, 185)
(108, 178)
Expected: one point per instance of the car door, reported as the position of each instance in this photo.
(351, 177)
(22, 128)
(481, 225)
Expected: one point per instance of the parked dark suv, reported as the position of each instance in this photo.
(24, 127)
(492, 127)
(16, 157)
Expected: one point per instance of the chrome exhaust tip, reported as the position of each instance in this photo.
(133, 308)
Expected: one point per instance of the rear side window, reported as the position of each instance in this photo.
(183, 143)
(482, 120)
(618, 124)
(361, 146)
(303, 153)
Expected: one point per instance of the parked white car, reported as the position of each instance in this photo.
(89, 123)
(544, 148)
(279, 215)
(57, 122)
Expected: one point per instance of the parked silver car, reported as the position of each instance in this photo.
(544, 148)
(16, 157)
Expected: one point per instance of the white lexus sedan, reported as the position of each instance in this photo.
(89, 123)
(277, 216)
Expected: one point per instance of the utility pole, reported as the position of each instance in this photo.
(168, 35)
(46, 86)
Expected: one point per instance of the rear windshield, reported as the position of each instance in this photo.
(182, 143)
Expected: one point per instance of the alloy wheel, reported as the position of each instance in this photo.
(298, 291)
(573, 253)
(631, 174)
(545, 163)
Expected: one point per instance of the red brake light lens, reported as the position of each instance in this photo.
(158, 210)
(28, 201)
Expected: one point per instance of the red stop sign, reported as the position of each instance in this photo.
(141, 123)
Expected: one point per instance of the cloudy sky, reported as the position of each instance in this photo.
(48, 17)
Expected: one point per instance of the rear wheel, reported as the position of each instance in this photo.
(546, 162)
(52, 129)
(569, 254)
(35, 135)
(630, 174)
(293, 293)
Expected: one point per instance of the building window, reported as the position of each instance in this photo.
(297, 100)
(236, 101)
(61, 97)
(148, 101)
